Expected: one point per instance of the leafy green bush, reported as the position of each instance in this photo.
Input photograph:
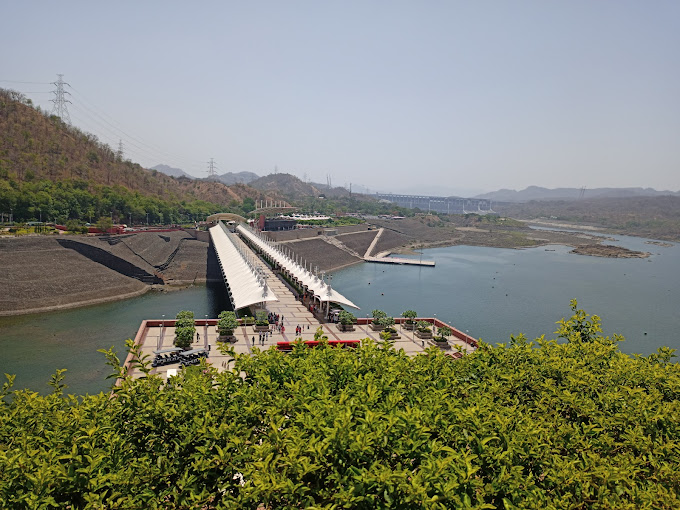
(227, 323)
(409, 315)
(423, 326)
(554, 424)
(261, 318)
(377, 314)
(380, 318)
(443, 333)
(346, 318)
(185, 329)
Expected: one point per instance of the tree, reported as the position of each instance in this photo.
(104, 224)
(248, 205)
(346, 318)
(261, 318)
(445, 331)
(185, 329)
(423, 326)
(227, 323)
(409, 315)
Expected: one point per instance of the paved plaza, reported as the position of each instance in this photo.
(159, 335)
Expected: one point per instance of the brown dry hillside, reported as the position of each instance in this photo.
(285, 184)
(35, 145)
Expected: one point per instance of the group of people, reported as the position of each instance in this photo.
(263, 336)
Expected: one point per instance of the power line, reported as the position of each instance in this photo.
(105, 127)
(94, 111)
(114, 134)
(27, 82)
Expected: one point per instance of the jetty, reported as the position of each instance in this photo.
(398, 260)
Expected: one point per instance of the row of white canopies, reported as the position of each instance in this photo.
(241, 269)
(322, 290)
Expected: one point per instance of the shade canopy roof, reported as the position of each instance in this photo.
(242, 272)
(321, 289)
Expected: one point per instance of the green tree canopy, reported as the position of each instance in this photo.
(409, 315)
(227, 323)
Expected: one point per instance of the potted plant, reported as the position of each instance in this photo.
(409, 323)
(261, 321)
(346, 321)
(377, 323)
(441, 340)
(423, 329)
(226, 325)
(185, 329)
(389, 328)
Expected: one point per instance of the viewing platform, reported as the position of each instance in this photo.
(157, 336)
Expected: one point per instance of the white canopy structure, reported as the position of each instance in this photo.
(321, 289)
(245, 278)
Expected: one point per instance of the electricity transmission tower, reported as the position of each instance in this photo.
(211, 169)
(119, 152)
(60, 100)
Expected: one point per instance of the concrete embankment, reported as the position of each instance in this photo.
(48, 273)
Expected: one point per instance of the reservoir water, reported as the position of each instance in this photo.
(489, 292)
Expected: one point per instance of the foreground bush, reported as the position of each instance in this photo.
(568, 424)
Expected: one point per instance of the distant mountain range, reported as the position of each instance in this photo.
(237, 177)
(538, 193)
(286, 184)
(229, 178)
(172, 172)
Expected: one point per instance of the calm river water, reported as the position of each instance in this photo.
(490, 292)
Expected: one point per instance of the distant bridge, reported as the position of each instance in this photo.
(448, 205)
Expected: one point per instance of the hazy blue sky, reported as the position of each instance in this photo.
(427, 96)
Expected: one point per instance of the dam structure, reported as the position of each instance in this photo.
(447, 205)
(244, 275)
(249, 282)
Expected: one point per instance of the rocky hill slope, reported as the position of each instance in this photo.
(37, 146)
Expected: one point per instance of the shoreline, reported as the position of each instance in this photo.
(75, 304)
(581, 243)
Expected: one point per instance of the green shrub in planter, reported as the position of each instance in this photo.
(184, 329)
(227, 323)
(261, 318)
(346, 318)
(409, 315)
(444, 332)
(423, 326)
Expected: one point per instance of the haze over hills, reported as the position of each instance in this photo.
(539, 193)
(244, 177)
(285, 184)
(172, 172)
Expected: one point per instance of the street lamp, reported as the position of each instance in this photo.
(205, 337)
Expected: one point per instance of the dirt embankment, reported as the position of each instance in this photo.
(45, 273)
(409, 234)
